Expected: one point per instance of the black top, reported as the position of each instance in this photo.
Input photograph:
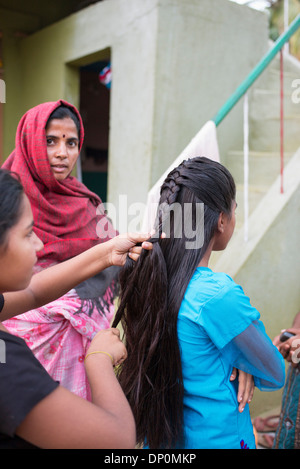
(23, 383)
(1, 302)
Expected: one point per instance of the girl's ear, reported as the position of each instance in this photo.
(221, 222)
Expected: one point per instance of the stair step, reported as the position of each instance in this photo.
(255, 195)
(265, 133)
(290, 64)
(264, 108)
(260, 221)
(264, 167)
(270, 78)
(265, 104)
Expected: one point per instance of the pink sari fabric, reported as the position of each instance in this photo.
(59, 337)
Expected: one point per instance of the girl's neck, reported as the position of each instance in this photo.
(203, 263)
(205, 259)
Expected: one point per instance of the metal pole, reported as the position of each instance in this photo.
(256, 72)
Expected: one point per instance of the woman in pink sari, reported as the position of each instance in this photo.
(48, 141)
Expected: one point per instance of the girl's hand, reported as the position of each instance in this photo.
(290, 349)
(246, 387)
(125, 244)
(294, 355)
(108, 341)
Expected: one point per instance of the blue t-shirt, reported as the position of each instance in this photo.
(218, 329)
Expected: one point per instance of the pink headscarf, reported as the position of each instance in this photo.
(64, 212)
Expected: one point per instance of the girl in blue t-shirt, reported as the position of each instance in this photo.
(186, 327)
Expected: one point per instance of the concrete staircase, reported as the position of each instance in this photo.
(264, 138)
(265, 213)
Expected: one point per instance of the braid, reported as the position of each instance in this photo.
(170, 188)
(173, 183)
(168, 197)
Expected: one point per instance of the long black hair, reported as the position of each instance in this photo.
(11, 196)
(152, 290)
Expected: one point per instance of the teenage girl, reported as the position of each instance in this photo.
(186, 326)
(35, 410)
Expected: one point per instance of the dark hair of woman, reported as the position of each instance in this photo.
(63, 112)
(10, 203)
(152, 290)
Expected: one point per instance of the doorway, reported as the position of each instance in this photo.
(94, 110)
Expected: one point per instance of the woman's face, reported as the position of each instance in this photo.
(62, 146)
(18, 256)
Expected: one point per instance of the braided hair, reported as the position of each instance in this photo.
(152, 290)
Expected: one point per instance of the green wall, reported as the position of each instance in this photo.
(174, 64)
